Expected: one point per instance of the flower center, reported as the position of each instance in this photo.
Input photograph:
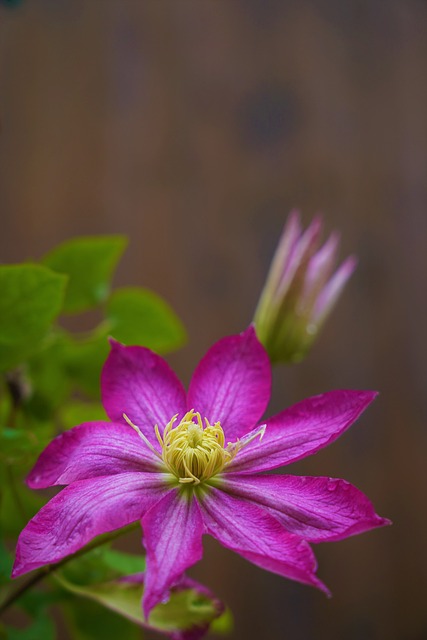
(192, 451)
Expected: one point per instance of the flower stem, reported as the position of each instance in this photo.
(46, 571)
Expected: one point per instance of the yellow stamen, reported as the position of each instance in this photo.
(141, 435)
(194, 452)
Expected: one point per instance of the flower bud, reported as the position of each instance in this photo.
(300, 291)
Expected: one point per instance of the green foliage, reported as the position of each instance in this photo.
(100, 565)
(77, 412)
(17, 503)
(50, 383)
(186, 608)
(49, 379)
(20, 445)
(30, 299)
(84, 359)
(224, 624)
(132, 316)
(123, 563)
(90, 621)
(139, 316)
(89, 263)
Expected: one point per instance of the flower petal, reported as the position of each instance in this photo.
(139, 383)
(80, 512)
(173, 538)
(316, 509)
(257, 536)
(332, 290)
(302, 430)
(232, 383)
(299, 257)
(89, 450)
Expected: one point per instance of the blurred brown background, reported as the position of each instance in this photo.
(194, 126)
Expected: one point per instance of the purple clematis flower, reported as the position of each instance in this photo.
(191, 466)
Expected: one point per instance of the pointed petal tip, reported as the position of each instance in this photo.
(251, 335)
(151, 599)
(249, 331)
(20, 568)
(361, 397)
(384, 522)
(331, 245)
(317, 220)
(322, 587)
(16, 571)
(348, 267)
(369, 523)
(352, 260)
(315, 228)
(32, 480)
(148, 605)
(293, 220)
(369, 396)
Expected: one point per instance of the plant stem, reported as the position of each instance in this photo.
(49, 569)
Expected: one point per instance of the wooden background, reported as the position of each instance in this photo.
(194, 126)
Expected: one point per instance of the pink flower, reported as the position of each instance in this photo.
(192, 466)
(300, 291)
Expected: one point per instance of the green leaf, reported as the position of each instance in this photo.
(224, 624)
(31, 297)
(134, 316)
(49, 381)
(100, 574)
(123, 563)
(84, 360)
(17, 503)
(90, 621)
(139, 316)
(187, 607)
(102, 564)
(22, 445)
(89, 262)
(77, 412)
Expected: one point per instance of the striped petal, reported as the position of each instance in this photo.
(92, 449)
(82, 511)
(173, 531)
(316, 509)
(232, 384)
(302, 430)
(137, 382)
(259, 537)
